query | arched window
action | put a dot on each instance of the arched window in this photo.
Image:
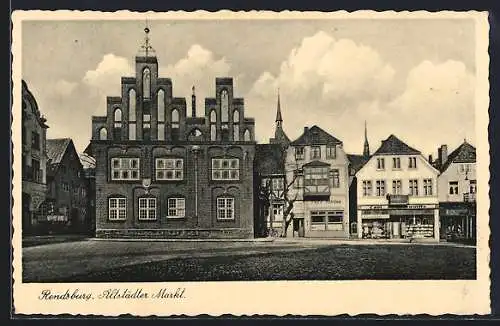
(118, 115)
(224, 104)
(213, 127)
(236, 125)
(117, 125)
(131, 105)
(103, 134)
(146, 83)
(247, 135)
(161, 105)
(175, 124)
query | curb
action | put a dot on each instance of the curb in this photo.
(181, 240)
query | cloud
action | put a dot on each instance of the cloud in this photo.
(63, 88)
(338, 84)
(107, 75)
(199, 68)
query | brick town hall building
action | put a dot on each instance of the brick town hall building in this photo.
(163, 174)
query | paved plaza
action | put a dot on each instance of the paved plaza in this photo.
(283, 259)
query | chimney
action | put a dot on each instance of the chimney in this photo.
(306, 129)
(193, 104)
(430, 159)
(444, 154)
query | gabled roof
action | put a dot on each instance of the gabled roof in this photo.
(316, 136)
(56, 149)
(269, 159)
(393, 146)
(465, 153)
(357, 161)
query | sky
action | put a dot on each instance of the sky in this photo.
(414, 78)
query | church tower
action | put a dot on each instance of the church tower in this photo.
(366, 147)
(279, 134)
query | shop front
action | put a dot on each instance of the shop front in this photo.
(410, 221)
(458, 221)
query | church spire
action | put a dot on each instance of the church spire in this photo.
(146, 48)
(279, 119)
(366, 147)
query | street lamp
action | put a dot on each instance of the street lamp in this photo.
(196, 151)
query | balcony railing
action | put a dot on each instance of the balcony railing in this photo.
(469, 197)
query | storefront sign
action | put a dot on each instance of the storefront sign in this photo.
(419, 206)
(373, 206)
(375, 212)
(376, 216)
(456, 212)
(398, 199)
(411, 212)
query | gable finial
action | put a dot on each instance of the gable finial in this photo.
(146, 48)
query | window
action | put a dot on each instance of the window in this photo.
(117, 124)
(278, 184)
(65, 186)
(169, 169)
(125, 168)
(225, 208)
(331, 152)
(453, 185)
(396, 163)
(131, 131)
(412, 163)
(327, 220)
(225, 169)
(147, 208)
(316, 179)
(160, 97)
(380, 187)
(131, 105)
(224, 105)
(161, 131)
(299, 153)
(427, 187)
(236, 125)
(315, 152)
(213, 132)
(413, 188)
(246, 135)
(396, 187)
(117, 209)
(103, 134)
(35, 140)
(146, 83)
(37, 173)
(176, 208)
(367, 188)
(472, 186)
(175, 124)
(278, 212)
(336, 178)
(380, 164)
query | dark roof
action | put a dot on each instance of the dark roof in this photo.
(465, 153)
(357, 161)
(316, 135)
(393, 145)
(315, 163)
(56, 149)
(269, 159)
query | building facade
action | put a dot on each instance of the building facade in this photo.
(318, 167)
(34, 160)
(397, 194)
(163, 174)
(88, 164)
(65, 207)
(457, 192)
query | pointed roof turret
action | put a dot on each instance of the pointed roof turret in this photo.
(278, 110)
(366, 146)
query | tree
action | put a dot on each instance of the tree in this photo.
(268, 195)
